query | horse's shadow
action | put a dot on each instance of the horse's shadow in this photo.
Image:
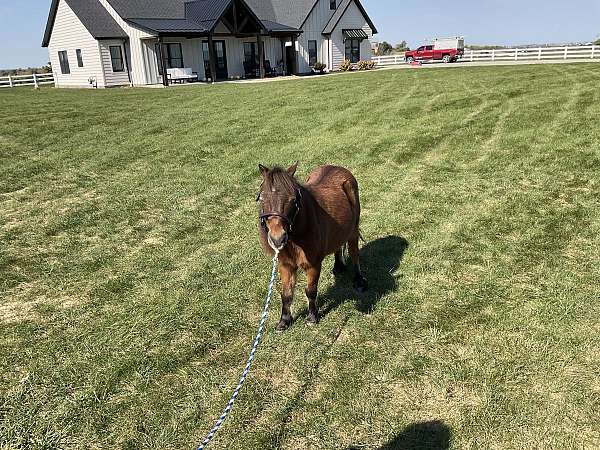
(379, 260)
(432, 435)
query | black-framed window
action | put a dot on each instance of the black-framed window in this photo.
(63, 58)
(312, 53)
(250, 53)
(172, 54)
(79, 58)
(332, 4)
(116, 58)
(353, 50)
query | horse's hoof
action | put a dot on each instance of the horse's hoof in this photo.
(312, 320)
(283, 325)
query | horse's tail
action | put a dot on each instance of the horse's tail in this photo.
(360, 236)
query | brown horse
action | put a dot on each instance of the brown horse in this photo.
(305, 223)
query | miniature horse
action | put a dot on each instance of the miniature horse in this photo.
(306, 223)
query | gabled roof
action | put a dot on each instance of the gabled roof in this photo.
(341, 10)
(94, 17)
(290, 12)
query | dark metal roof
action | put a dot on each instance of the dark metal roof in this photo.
(293, 13)
(196, 16)
(169, 25)
(149, 9)
(275, 27)
(355, 34)
(341, 10)
(94, 17)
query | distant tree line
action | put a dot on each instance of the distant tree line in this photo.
(26, 71)
(597, 41)
(385, 48)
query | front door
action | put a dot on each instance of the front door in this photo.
(290, 56)
(220, 60)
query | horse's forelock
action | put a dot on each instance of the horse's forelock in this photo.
(280, 179)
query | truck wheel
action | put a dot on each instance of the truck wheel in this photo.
(410, 60)
(446, 59)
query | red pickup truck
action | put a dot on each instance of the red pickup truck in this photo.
(447, 50)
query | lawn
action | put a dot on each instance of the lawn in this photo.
(131, 279)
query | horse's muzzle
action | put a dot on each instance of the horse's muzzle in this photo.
(278, 242)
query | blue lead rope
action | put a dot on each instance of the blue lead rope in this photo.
(261, 328)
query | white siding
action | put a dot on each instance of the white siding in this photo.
(352, 19)
(313, 30)
(113, 78)
(69, 34)
(136, 51)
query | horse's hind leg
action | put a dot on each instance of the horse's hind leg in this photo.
(312, 289)
(360, 282)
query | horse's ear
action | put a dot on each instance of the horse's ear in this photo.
(263, 170)
(292, 169)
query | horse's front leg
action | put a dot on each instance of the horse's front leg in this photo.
(312, 289)
(287, 274)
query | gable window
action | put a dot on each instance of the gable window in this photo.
(312, 53)
(64, 63)
(332, 4)
(79, 58)
(353, 50)
(172, 54)
(116, 58)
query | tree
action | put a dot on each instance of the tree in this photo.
(384, 49)
(597, 42)
(402, 47)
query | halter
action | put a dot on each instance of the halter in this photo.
(288, 220)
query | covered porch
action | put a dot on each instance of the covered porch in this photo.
(232, 44)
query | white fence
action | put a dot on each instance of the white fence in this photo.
(512, 54)
(26, 80)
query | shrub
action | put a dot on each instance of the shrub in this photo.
(366, 65)
(346, 66)
(319, 67)
(362, 65)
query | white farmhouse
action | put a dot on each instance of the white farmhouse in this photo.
(143, 42)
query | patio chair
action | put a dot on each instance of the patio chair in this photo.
(269, 71)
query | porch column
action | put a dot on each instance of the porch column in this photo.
(261, 55)
(212, 58)
(163, 59)
(284, 56)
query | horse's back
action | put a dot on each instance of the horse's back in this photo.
(327, 177)
(336, 191)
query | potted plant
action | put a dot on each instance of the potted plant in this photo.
(319, 67)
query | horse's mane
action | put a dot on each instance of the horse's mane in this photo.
(279, 178)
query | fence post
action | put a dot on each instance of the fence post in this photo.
(35, 81)
(10, 81)
(566, 51)
(493, 55)
(593, 51)
(516, 54)
(540, 54)
(471, 55)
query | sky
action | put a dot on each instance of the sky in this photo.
(498, 22)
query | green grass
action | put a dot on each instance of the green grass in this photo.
(131, 280)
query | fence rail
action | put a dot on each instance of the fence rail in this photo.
(512, 54)
(35, 79)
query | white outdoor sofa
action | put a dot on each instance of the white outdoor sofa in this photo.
(181, 75)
